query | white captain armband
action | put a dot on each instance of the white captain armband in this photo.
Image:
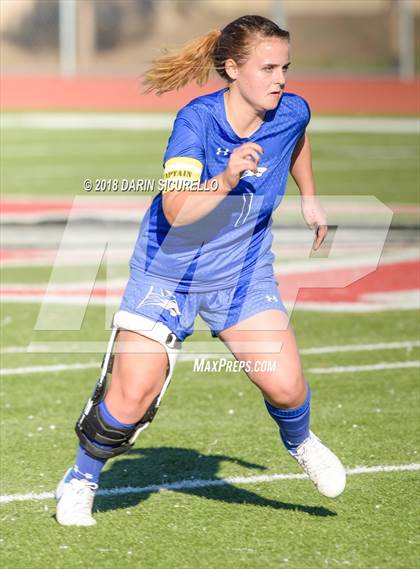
(181, 174)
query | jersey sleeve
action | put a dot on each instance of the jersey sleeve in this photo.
(305, 114)
(184, 156)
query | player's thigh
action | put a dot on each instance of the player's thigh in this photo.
(140, 366)
(266, 337)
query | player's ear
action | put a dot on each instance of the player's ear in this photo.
(231, 68)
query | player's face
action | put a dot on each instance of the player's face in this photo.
(262, 78)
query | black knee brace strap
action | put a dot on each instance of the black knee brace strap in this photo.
(93, 430)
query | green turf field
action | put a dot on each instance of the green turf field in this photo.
(213, 426)
(55, 162)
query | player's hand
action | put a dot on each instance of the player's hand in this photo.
(315, 218)
(245, 157)
(320, 235)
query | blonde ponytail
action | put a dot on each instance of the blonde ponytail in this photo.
(180, 66)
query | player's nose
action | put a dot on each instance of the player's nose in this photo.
(280, 79)
(279, 86)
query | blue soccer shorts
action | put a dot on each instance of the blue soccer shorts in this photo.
(219, 309)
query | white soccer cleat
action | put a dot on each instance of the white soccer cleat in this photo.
(322, 466)
(75, 502)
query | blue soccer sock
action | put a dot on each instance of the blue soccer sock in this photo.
(89, 468)
(293, 423)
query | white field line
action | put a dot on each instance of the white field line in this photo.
(191, 484)
(323, 350)
(404, 125)
(14, 350)
(47, 369)
(361, 347)
(373, 367)
(305, 351)
(351, 307)
(96, 121)
(164, 121)
(191, 357)
(316, 370)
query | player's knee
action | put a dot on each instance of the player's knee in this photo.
(138, 397)
(288, 393)
(136, 388)
(101, 438)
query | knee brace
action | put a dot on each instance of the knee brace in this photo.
(91, 428)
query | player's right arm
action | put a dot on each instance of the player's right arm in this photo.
(185, 207)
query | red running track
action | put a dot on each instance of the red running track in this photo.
(348, 95)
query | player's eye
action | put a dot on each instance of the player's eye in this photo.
(268, 68)
(286, 67)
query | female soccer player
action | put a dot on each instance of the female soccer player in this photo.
(204, 248)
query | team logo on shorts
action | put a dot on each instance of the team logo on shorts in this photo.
(164, 298)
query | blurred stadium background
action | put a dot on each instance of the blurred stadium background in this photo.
(366, 46)
(72, 108)
(121, 36)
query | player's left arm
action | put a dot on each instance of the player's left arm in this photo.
(302, 173)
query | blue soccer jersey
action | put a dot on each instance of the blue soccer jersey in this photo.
(232, 243)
